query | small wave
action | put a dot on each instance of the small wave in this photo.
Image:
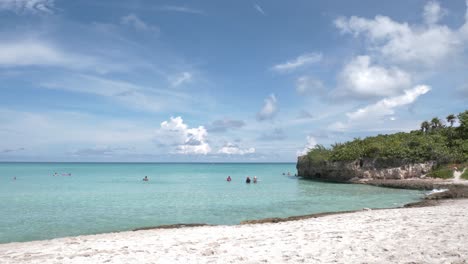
(436, 191)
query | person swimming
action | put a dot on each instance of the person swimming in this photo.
(255, 179)
(247, 180)
(145, 178)
(228, 178)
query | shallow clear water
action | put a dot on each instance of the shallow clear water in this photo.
(105, 197)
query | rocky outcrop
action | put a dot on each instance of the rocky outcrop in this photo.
(362, 169)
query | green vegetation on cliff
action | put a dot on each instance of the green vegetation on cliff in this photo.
(434, 142)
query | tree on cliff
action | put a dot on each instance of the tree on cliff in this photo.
(434, 142)
(425, 126)
(436, 123)
(451, 119)
(463, 128)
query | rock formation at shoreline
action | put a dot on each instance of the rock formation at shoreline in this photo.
(361, 169)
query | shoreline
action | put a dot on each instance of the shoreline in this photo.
(428, 200)
(430, 234)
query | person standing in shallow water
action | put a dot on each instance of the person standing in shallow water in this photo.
(228, 178)
(247, 180)
(255, 179)
(145, 178)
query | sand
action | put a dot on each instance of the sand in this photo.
(437, 234)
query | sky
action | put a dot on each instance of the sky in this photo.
(222, 81)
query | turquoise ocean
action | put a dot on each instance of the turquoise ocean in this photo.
(108, 197)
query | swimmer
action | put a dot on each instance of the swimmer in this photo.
(145, 178)
(247, 180)
(255, 179)
(228, 178)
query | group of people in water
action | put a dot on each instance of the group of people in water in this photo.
(63, 174)
(247, 180)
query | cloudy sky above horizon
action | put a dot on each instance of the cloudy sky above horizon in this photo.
(216, 81)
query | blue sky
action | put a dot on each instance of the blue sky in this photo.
(215, 81)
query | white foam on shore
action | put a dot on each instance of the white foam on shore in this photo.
(419, 235)
(436, 191)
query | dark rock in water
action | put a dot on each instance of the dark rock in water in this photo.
(361, 169)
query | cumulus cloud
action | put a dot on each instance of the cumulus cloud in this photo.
(311, 143)
(224, 125)
(28, 6)
(433, 12)
(276, 134)
(233, 149)
(269, 109)
(386, 107)
(179, 79)
(309, 85)
(409, 44)
(302, 60)
(185, 140)
(361, 79)
(136, 22)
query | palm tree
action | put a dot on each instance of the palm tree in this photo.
(425, 126)
(451, 119)
(436, 123)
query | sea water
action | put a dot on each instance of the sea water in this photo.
(90, 198)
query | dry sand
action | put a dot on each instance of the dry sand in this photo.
(436, 234)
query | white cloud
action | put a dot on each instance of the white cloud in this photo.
(186, 140)
(233, 149)
(300, 61)
(407, 44)
(28, 6)
(259, 9)
(360, 78)
(269, 109)
(311, 143)
(134, 21)
(372, 114)
(30, 52)
(53, 130)
(182, 9)
(179, 79)
(433, 12)
(309, 85)
(126, 93)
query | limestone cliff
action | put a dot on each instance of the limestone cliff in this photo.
(362, 169)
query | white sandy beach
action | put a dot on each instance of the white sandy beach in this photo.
(436, 234)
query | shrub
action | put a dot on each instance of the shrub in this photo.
(443, 173)
(465, 175)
